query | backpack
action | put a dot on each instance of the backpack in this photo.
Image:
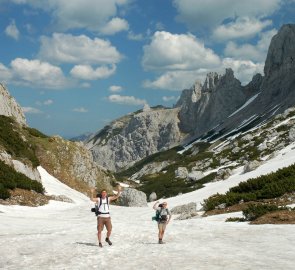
(157, 217)
(96, 207)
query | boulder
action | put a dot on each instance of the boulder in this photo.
(185, 211)
(153, 197)
(181, 172)
(133, 198)
(251, 166)
(292, 134)
(196, 175)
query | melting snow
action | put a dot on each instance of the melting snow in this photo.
(63, 235)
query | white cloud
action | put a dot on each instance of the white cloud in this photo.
(177, 52)
(168, 99)
(80, 110)
(37, 74)
(31, 110)
(251, 52)
(209, 13)
(86, 72)
(66, 48)
(114, 26)
(5, 73)
(176, 80)
(34, 73)
(244, 70)
(243, 27)
(135, 37)
(76, 14)
(115, 88)
(126, 100)
(12, 31)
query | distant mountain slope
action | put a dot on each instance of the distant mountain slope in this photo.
(220, 107)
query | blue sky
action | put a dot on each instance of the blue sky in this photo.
(75, 65)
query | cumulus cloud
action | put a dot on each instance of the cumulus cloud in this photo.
(244, 70)
(86, 72)
(12, 31)
(199, 13)
(80, 110)
(126, 100)
(66, 48)
(33, 73)
(115, 88)
(176, 80)
(243, 27)
(36, 74)
(92, 15)
(251, 52)
(31, 110)
(177, 52)
(114, 26)
(5, 73)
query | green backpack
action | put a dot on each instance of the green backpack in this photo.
(157, 216)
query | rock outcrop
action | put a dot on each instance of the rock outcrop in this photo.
(132, 138)
(9, 107)
(73, 164)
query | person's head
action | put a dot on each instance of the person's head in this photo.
(103, 193)
(164, 204)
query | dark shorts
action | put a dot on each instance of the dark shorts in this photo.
(104, 221)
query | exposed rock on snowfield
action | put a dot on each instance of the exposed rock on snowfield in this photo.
(134, 137)
(153, 197)
(181, 172)
(251, 166)
(133, 198)
(185, 211)
(196, 175)
(9, 107)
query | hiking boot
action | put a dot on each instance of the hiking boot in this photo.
(161, 241)
(109, 241)
(100, 245)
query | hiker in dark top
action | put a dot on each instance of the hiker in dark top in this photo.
(164, 218)
(103, 214)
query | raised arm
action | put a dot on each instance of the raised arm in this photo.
(115, 197)
(92, 196)
(155, 205)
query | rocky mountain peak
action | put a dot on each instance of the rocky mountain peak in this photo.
(211, 81)
(9, 107)
(281, 53)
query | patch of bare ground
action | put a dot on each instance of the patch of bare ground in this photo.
(278, 217)
(31, 198)
(26, 198)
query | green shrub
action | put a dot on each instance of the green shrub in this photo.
(36, 133)
(255, 211)
(235, 219)
(263, 187)
(10, 179)
(4, 193)
(12, 141)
